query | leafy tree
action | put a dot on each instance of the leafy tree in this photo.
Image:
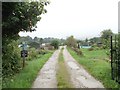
(36, 39)
(86, 40)
(34, 45)
(27, 39)
(41, 40)
(55, 43)
(16, 17)
(20, 16)
(95, 40)
(71, 42)
(105, 36)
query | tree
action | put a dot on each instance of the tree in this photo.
(95, 40)
(20, 16)
(41, 40)
(26, 39)
(71, 42)
(55, 43)
(105, 36)
(86, 40)
(16, 17)
(35, 45)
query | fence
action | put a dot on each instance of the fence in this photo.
(115, 58)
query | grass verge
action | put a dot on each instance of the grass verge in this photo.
(25, 78)
(63, 77)
(98, 67)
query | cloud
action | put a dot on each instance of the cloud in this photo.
(81, 18)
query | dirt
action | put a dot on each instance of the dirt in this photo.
(47, 76)
(79, 76)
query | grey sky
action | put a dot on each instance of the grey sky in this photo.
(81, 18)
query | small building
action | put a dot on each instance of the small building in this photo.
(46, 46)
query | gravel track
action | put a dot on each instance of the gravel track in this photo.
(79, 76)
(47, 76)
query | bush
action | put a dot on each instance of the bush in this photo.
(42, 52)
(10, 59)
(91, 49)
(104, 46)
(78, 51)
(32, 53)
(55, 43)
(108, 53)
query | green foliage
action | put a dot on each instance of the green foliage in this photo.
(32, 53)
(94, 63)
(42, 52)
(34, 45)
(105, 35)
(20, 16)
(63, 77)
(55, 43)
(11, 59)
(25, 78)
(35, 53)
(16, 17)
(78, 51)
(26, 39)
(95, 40)
(91, 49)
(71, 42)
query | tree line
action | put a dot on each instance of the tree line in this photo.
(104, 40)
(36, 42)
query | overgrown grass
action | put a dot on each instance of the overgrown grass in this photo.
(63, 77)
(97, 67)
(25, 78)
(95, 54)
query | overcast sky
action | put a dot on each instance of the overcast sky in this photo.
(81, 18)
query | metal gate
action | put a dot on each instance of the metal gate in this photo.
(115, 58)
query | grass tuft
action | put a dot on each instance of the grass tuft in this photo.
(63, 77)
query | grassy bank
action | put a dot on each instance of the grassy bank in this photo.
(25, 78)
(94, 62)
(63, 77)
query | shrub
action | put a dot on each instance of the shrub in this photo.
(32, 53)
(10, 59)
(42, 52)
(104, 46)
(108, 53)
(34, 45)
(97, 48)
(55, 43)
(78, 51)
(91, 49)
